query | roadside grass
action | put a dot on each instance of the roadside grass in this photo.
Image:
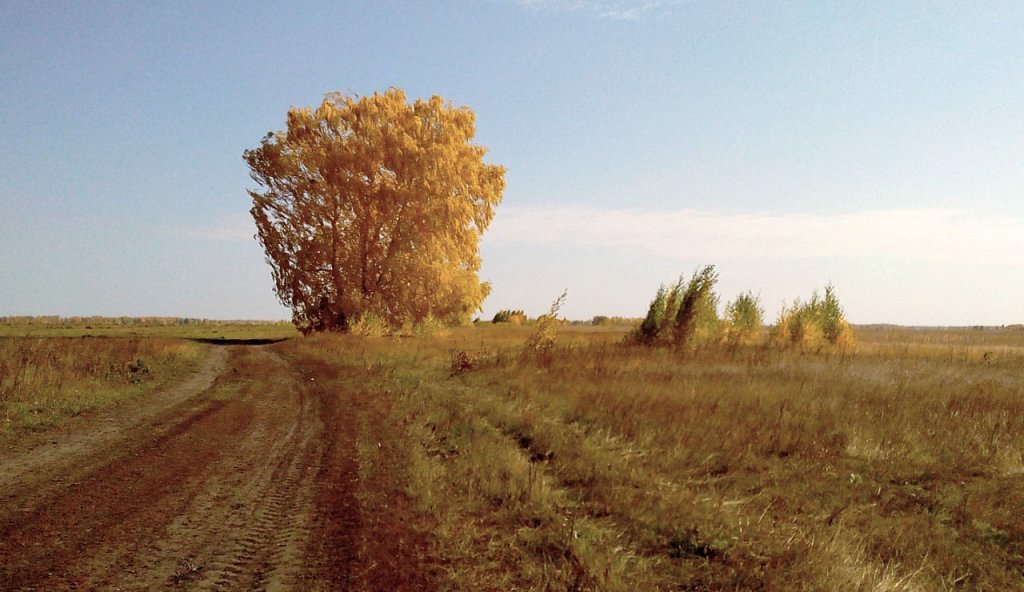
(895, 466)
(46, 380)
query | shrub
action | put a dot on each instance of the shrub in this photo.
(462, 361)
(696, 321)
(430, 327)
(833, 323)
(647, 332)
(539, 345)
(673, 299)
(370, 325)
(798, 326)
(684, 314)
(744, 319)
(514, 317)
(814, 324)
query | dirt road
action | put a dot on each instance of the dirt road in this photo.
(245, 477)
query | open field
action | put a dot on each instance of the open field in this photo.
(130, 327)
(462, 462)
(44, 381)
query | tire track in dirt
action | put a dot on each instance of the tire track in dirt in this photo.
(369, 536)
(226, 500)
(248, 525)
(266, 537)
(252, 484)
(333, 551)
(43, 463)
(43, 546)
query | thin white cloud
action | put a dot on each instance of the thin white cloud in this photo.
(938, 235)
(631, 11)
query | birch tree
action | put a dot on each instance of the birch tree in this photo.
(374, 206)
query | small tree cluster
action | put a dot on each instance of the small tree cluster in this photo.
(683, 314)
(515, 317)
(813, 324)
(744, 321)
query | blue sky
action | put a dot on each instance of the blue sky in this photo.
(877, 146)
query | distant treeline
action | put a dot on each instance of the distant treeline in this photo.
(518, 317)
(133, 321)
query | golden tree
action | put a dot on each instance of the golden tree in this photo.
(374, 206)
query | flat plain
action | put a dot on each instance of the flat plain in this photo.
(464, 461)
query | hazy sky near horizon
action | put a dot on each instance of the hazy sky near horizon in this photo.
(878, 146)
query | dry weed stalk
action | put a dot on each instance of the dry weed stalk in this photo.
(542, 341)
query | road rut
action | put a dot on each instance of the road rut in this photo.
(242, 478)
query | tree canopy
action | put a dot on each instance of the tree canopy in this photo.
(374, 206)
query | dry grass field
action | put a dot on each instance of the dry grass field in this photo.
(46, 380)
(897, 466)
(473, 463)
(52, 371)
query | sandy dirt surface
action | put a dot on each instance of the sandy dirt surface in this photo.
(244, 477)
(47, 460)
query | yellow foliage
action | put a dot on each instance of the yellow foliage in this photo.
(734, 335)
(845, 339)
(807, 329)
(375, 205)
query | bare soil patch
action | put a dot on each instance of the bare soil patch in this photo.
(245, 477)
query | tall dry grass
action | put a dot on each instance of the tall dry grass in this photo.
(894, 465)
(45, 380)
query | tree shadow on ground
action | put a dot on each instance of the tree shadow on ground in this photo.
(237, 341)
